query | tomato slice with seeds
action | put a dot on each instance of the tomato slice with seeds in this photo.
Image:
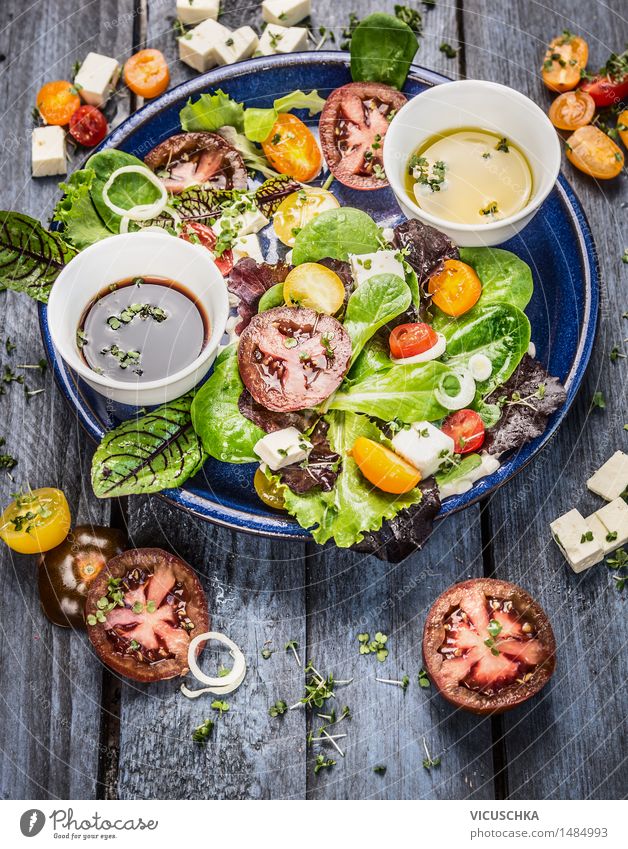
(88, 126)
(467, 430)
(201, 234)
(383, 468)
(566, 56)
(571, 110)
(594, 153)
(57, 102)
(456, 288)
(622, 126)
(408, 340)
(146, 73)
(292, 149)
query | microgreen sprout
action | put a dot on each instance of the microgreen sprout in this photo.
(292, 646)
(203, 732)
(405, 681)
(376, 646)
(429, 761)
(221, 706)
(380, 769)
(424, 681)
(278, 709)
(322, 763)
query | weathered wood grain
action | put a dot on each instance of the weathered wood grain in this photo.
(49, 680)
(569, 742)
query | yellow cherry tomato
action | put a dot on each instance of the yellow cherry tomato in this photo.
(57, 102)
(268, 491)
(298, 209)
(566, 56)
(383, 468)
(456, 288)
(572, 109)
(292, 149)
(594, 153)
(622, 126)
(36, 521)
(315, 286)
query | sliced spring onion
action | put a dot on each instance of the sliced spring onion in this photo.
(217, 686)
(481, 367)
(463, 397)
(437, 350)
(143, 211)
(154, 228)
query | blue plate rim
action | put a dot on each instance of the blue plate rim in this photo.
(279, 526)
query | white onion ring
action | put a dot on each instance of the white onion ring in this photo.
(142, 211)
(154, 228)
(218, 686)
(437, 350)
(465, 394)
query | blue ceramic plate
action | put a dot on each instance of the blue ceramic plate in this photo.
(557, 245)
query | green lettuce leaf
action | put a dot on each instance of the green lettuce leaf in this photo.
(82, 226)
(272, 297)
(300, 100)
(374, 303)
(259, 122)
(373, 358)
(382, 50)
(253, 157)
(467, 464)
(336, 233)
(505, 278)
(127, 191)
(150, 453)
(211, 112)
(354, 506)
(225, 433)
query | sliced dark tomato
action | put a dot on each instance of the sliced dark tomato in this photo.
(197, 159)
(142, 611)
(352, 129)
(466, 428)
(201, 234)
(88, 126)
(488, 645)
(408, 340)
(293, 358)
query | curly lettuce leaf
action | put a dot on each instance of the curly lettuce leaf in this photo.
(354, 506)
(258, 123)
(336, 233)
(82, 226)
(253, 157)
(374, 303)
(211, 112)
(225, 433)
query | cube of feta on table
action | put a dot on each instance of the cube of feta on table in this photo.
(424, 446)
(278, 39)
(96, 79)
(612, 478)
(282, 448)
(48, 151)
(610, 525)
(286, 12)
(195, 11)
(241, 44)
(575, 538)
(364, 266)
(197, 48)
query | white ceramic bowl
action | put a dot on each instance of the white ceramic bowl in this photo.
(137, 255)
(488, 106)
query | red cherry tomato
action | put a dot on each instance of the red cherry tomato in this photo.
(466, 428)
(201, 234)
(606, 91)
(408, 340)
(88, 126)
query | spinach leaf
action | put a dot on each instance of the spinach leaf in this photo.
(225, 433)
(82, 226)
(402, 392)
(382, 50)
(336, 233)
(353, 506)
(127, 191)
(500, 331)
(211, 112)
(273, 297)
(374, 303)
(31, 258)
(374, 357)
(149, 453)
(505, 278)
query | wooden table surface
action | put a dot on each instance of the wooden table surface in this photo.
(71, 729)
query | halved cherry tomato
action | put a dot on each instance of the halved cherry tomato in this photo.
(36, 521)
(292, 149)
(383, 468)
(146, 73)
(571, 110)
(594, 153)
(566, 56)
(201, 234)
(622, 126)
(315, 286)
(456, 288)
(408, 340)
(269, 493)
(88, 126)
(466, 428)
(610, 86)
(298, 209)
(57, 102)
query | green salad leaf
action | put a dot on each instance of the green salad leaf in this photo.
(467, 464)
(259, 122)
(31, 257)
(253, 157)
(375, 302)
(505, 278)
(272, 297)
(354, 505)
(225, 433)
(127, 191)
(149, 453)
(382, 50)
(373, 358)
(211, 112)
(82, 225)
(404, 392)
(336, 233)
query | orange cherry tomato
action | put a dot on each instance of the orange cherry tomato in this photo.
(566, 56)
(292, 149)
(408, 340)
(622, 126)
(383, 468)
(456, 288)
(57, 102)
(571, 110)
(146, 73)
(594, 153)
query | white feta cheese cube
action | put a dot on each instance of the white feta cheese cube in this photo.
(277, 39)
(282, 448)
(197, 48)
(612, 478)
(240, 45)
(247, 246)
(250, 221)
(286, 12)
(96, 78)
(576, 540)
(48, 151)
(195, 11)
(388, 235)
(424, 446)
(364, 266)
(610, 525)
